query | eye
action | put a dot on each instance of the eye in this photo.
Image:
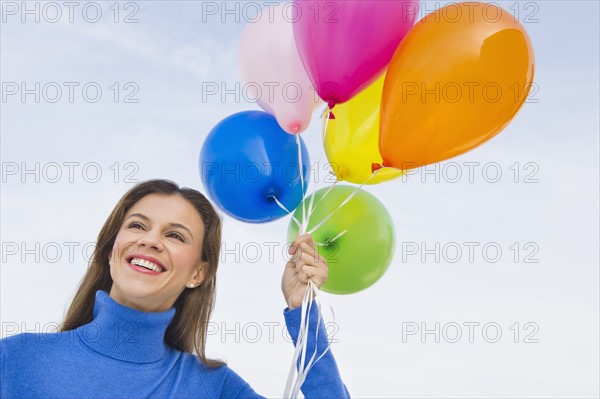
(135, 225)
(176, 235)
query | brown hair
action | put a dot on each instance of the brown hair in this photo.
(187, 331)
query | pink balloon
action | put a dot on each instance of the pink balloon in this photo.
(270, 65)
(346, 44)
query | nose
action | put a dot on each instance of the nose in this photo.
(150, 240)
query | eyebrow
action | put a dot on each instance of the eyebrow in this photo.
(144, 217)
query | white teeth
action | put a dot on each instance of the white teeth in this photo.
(146, 264)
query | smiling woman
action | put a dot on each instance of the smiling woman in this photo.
(137, 324)
(152, 240)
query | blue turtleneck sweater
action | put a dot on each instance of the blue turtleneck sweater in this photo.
(122, 354)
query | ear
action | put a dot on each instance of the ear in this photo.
(198, 274)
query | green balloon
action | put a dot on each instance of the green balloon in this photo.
(359, 257)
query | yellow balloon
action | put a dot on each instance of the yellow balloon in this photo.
(352, 138)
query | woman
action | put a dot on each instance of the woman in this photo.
(137, 325)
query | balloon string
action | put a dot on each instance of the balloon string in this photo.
(344, 202)
(333, 239)
(291, 375)
(286, 210)
(302, 368)
(326, 119)
(295, 381)
(325, 115)
(324, 195)
(298, 223)
(301, 171)
(312, 362)
(290, 389)
(305, 302)
(293, 385)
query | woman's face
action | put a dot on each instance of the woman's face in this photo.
(157, 253)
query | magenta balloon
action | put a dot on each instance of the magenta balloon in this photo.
(345, 44)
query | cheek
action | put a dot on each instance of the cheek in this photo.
(114, 253)
(118, 242)
(121, 246)
(184, 260)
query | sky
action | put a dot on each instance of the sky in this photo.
(533, 308)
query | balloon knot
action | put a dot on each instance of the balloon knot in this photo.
(331, 104)
(375, 166)
(295, 127)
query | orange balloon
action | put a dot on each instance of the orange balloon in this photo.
(455, 81)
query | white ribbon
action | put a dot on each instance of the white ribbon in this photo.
(296, 377)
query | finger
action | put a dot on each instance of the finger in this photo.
(312, 270)
(302, 257)
(296, 245)
(303, 277)
(304, 240)
(295, 255)
(306, 259)
(307, 256)
(323, 261)
(298, 265)
(293, 248)
(318, 276)
(307, 238)
(314, 259)
(312, 251)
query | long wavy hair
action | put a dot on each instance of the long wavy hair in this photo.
(187, 331)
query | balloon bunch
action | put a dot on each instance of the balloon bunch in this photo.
(404, 96)
(398, 96)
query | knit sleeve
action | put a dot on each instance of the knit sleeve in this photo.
(323, 379)
(2, 367)
(235, 387)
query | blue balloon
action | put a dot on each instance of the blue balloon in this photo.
(247, 161)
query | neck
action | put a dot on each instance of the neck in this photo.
(143, 306)
(124, 333)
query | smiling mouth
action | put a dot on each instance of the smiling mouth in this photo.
(146, 264)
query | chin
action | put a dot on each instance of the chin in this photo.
(132, 291)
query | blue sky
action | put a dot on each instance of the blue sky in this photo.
(162, 62)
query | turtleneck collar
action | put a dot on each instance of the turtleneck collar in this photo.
(123, 333)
